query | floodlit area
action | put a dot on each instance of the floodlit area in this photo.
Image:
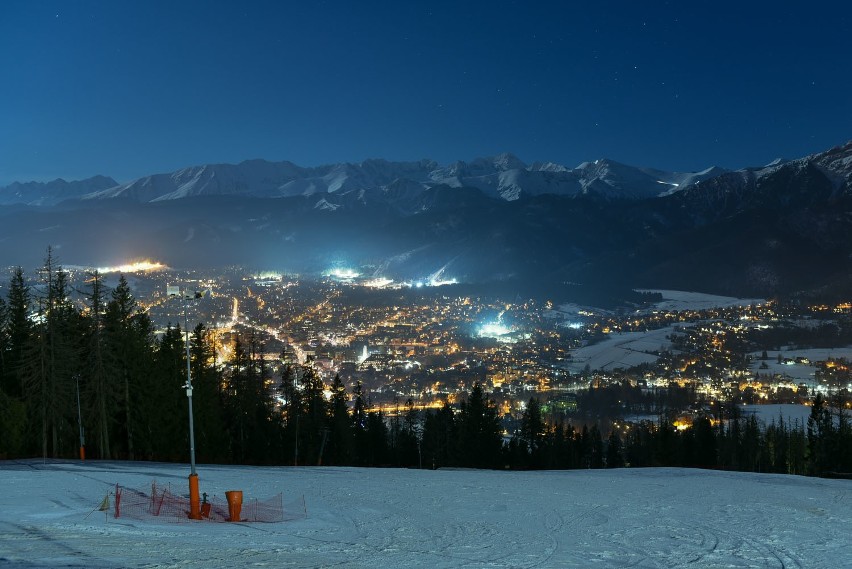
(135, 267)
(343, 274)
(494, 330)
(421, 518)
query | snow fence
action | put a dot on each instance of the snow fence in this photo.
(162, 504)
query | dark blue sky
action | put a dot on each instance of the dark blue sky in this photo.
(132, 88)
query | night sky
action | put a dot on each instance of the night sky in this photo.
(127, 89)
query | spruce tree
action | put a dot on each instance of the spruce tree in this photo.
(50, 365)
(614, 458)
(480, 436)
(129, 337)
(360, 440)
(339, 448)
(437, 441)
(210, 436)
(19, 331)
(99, 388)
(532, 435)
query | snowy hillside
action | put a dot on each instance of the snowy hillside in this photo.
(421, 518)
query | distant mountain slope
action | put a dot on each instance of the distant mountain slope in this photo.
(777, 229)
(51, 193)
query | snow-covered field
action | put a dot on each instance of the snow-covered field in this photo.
(620, 350)
(684, 300)
(646, 518)
(798, 373)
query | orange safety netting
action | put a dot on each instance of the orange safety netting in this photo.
(162, 504)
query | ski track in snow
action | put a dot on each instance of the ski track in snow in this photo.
(642, 518)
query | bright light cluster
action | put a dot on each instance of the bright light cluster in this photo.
(431, 282)
(137, 267)
(379, 283)
(494, 330)
(344, 274)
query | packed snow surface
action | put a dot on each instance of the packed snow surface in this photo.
(647, 518)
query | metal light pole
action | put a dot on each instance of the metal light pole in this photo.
(188, 387)
(194, 498)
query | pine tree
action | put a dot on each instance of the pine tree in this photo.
(129, 337)
(705, 443)
(339, 425)
(361, 443)
(163, 429)
(50, 365)
(376, 434)
(12, 409)
(596, 453)
(210, 435)
(313, 419)
(5, 378)
(290, 412)
(480, 436)
(98, 385)
(438, 438)
(409, 439)
(820, 438)
(531, 439)
(614, 458)
(19, 333)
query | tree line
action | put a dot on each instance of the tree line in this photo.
(100, 369)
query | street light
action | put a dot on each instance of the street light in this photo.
(194, 498)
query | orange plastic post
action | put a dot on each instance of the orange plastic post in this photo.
(235, 504)
(82, 453)
(194, 499)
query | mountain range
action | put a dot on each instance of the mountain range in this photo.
(782, 228)
(503, 177)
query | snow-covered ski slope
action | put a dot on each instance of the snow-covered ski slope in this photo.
(645, 518)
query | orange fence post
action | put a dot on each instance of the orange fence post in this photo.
(235, 504)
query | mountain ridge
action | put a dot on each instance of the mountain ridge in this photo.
(782, 228)
(502, 176)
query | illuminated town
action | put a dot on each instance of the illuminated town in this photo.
(424, 343)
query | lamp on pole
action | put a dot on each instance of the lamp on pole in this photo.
(194, 498)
